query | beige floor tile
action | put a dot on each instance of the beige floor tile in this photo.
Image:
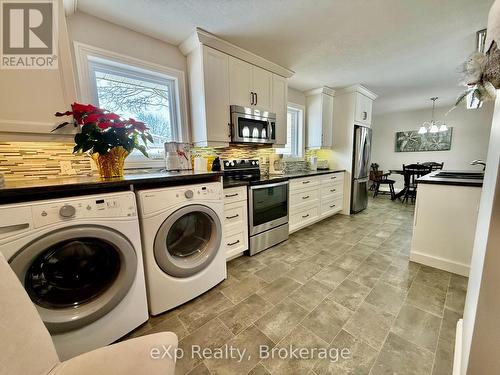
(366, 275)
(245, 313)
(399, 356)
(331, 276)
(455, 297)
(418, 327)
(259, 370)
(310, 294)
(370, 324)
(244, 289)
(350, 294)
(433, 277)
(272, 271)
(277, 290)
(427, 298)
(387, 297)
(327, 319)
(281, 320)
(302, 272)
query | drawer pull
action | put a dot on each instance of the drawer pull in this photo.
(233, 243)
(304, 216)
(231, 195)
(306, 197)
(332, 190)
(306, 182)
(232, 217)
(333, 205)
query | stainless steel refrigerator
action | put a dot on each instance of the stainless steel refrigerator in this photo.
(360, 168)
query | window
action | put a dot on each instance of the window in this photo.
(133, 88)
(294, 132)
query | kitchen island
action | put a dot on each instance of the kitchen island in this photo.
(445, 220)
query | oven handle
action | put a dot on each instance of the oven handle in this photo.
(269, 185)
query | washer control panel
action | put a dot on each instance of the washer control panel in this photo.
(84, 208)
(158, 199)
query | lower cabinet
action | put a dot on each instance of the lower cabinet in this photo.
(235, 221)
(315, 198)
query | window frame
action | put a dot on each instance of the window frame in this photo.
(300, 131)
(87, 56)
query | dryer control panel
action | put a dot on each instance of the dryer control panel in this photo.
(84, 208)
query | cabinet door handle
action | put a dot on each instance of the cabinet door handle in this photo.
(231, 195)
(251, 98)
(304, 216)
(232, 217)
(365, 115)
(305, 182)
(332, 190)
(332, 206)
(333, 178)
(233, 243)
(256, 98)
(305, 197)
(230, 130)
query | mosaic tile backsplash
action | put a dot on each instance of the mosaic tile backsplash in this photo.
(39, 160)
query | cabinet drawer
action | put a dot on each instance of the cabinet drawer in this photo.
(235, 216)
(332, 206)
(236, 194)
(304, 197)
(332, 191)
(332, 178)
(304, 217)
(303, 183)
(235, 243)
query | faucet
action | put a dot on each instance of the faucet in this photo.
(479, 162)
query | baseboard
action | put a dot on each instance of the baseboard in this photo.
(440, 263)
(457, 357)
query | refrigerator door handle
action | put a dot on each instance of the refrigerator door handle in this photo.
(365, 179)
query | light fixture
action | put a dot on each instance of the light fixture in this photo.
(433, 126)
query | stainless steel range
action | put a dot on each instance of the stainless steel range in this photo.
(267, 204)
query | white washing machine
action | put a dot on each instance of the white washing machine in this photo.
(80, 262)
(182, 231)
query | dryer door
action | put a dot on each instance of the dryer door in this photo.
(188, 240)
(76, 275)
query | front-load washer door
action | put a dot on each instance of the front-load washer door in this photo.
(76, 275)
(188, 241)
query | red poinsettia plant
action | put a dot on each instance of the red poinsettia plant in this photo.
(102, 130)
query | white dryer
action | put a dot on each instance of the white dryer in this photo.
(182, 235)
(80, 262)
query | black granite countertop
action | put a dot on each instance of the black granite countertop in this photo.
(432, 178)
(229, 183)
(28, 189)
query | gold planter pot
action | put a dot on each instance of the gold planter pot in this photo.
(112, 163)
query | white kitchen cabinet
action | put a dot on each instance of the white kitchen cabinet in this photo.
(209, 93)
(249, 85)
(315, 198)
(280, 102)
(319, 118)
(363, 110)
(235, 221)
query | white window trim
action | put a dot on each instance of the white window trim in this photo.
(301, 145)
(84, 52)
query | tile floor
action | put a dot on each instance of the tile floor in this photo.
(345, 282)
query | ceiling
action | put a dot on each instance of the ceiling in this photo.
(404, 50)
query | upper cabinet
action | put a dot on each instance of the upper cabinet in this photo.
(319, 118)
(249, 85)
(280, 103)
(222, 74)
(209, 92)
(363, 109)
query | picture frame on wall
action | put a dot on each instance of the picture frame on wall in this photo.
(412, 141)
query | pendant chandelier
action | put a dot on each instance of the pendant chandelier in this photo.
(433, 126)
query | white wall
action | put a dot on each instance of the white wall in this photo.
(471, 131)
(296, 97)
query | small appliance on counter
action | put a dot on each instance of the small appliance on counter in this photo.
(177, 156)
(276, 164)
(313, 163)
(267, 204)
(323, 165)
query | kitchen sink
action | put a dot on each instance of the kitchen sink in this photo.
(460, 175)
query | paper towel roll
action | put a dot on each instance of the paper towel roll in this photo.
(200, 164)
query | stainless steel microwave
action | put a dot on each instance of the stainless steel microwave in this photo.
(251, 125)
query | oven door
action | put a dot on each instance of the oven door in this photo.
(268, 206)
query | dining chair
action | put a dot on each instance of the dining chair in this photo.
(434, 166)
(411, 172)
(380, 178)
